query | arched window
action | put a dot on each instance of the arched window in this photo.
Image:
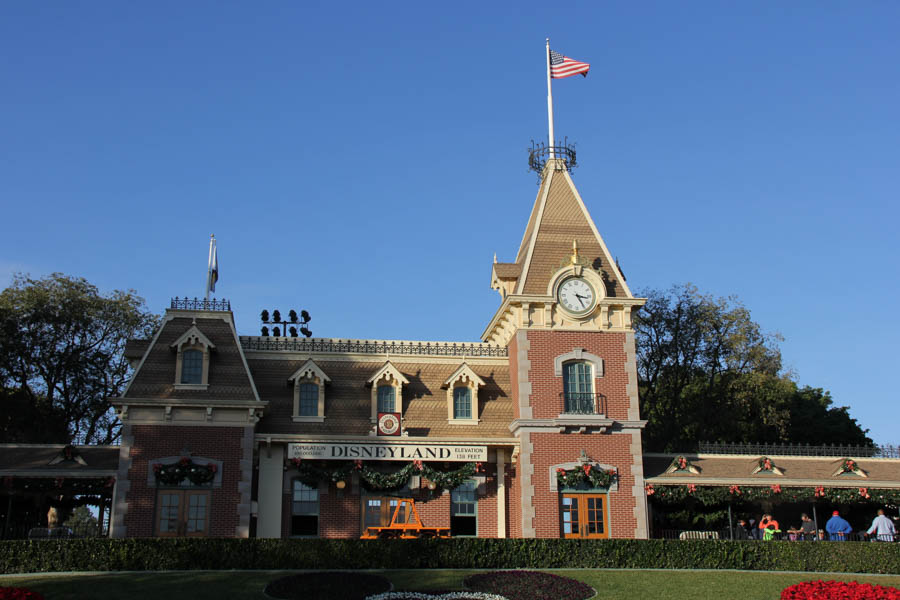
(192, 367)
(462, 402)
(309, 400)
(304, 509)
(386, 398)
(578, 386)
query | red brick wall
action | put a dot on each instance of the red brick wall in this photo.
(513, 352)
(553, 448)
(158, 441)
(546, 387)
(514, 502)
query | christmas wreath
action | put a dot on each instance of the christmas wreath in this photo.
(593, 475)
(185, 468)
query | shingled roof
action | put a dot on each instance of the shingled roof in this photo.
(228, 377)
(558, 218)
(348, 398)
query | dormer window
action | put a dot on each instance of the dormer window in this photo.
(462, 402)
(193, 350)
(387, 390)
(308, 399)
(462, 396)
(386, 398)
(192, 367)
(309, 393)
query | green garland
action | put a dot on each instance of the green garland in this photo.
(593, 475)
(311, 474)
(185, 468)
(708, 495)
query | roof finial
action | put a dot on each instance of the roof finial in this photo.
(574, 251)
(495, 258)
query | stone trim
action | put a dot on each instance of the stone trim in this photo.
(387, 375)
(641, 514)
(119, 506)
(579, 355)
(526, 469)
(464, 376)
(631, 386)
(245, 484)
(523, 380)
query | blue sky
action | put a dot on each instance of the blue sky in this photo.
(364, 161)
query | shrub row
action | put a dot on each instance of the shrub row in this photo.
(20, 556)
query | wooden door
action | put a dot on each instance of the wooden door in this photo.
(183, 513)
(584, 516)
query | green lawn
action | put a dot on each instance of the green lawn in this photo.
(224, 585)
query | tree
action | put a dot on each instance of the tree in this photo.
(62, 357)
(708, 372)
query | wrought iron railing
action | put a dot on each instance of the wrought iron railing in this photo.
(373, 347)
(199, 304)
(583, 403)
(540, 154)
(883, 451)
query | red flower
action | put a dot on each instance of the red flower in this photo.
(17, 593)
(810, 590)
(767, 465)
(682, 463)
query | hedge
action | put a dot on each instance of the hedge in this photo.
(152, 554)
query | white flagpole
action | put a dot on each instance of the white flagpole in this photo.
(212, 239)
(549, 99)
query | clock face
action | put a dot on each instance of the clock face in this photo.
(576, 295)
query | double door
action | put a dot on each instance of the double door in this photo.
(584, 516)
(182, 513)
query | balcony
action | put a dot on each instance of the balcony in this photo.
(583, 403)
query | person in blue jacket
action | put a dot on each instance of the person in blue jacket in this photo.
(838, 529)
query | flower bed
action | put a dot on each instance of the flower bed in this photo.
(529, 585)
(435, 596)
(15, 593)
(326, 586)
(839, 590)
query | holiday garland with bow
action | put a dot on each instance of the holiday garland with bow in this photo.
(709, 495)
(185, 468)
(594, 475)
(311, 474)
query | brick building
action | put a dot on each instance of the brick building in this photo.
(229, 435)
(534, 431)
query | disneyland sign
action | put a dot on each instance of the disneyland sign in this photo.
(388, 451)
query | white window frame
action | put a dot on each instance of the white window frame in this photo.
(464, 376)
(309, 372)
(192, 339)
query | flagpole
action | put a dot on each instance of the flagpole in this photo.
(549, 99)
(212, 239)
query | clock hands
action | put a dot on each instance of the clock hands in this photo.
(581, 299)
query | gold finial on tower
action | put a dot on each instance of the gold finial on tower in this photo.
(574, 252)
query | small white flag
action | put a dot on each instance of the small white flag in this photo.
(214, 269)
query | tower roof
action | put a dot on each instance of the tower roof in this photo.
(558, 218)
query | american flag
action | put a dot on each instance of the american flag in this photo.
(563, 66)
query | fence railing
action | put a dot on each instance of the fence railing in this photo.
(882, 451)
(583, 403)
(725, 534)
(374, 347)
(200, 304)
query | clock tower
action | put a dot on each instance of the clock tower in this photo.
(566, 318)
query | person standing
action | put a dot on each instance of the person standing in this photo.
(838, 529)
(882, 527)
